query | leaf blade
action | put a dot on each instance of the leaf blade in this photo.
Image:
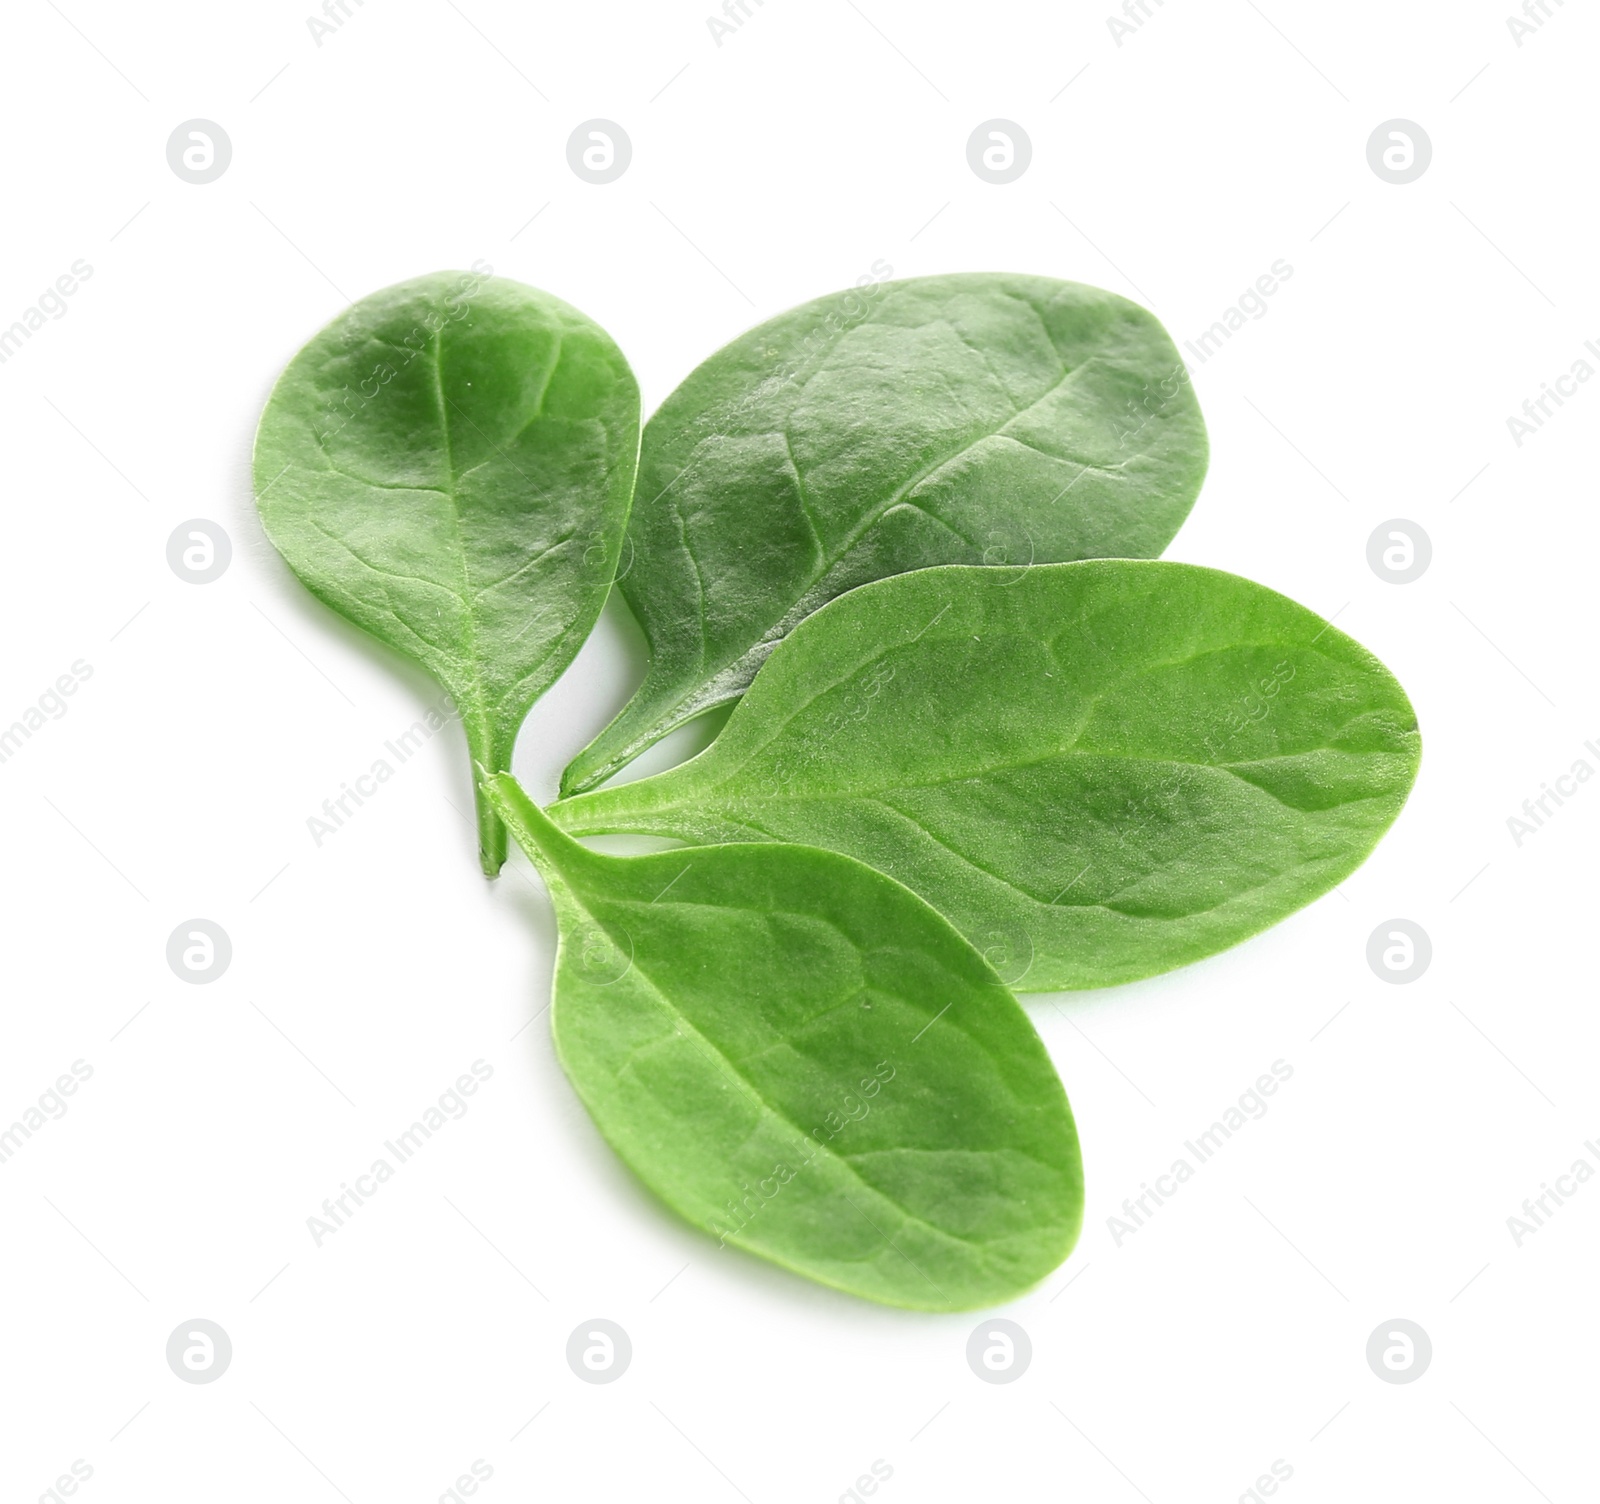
(1088, 768)
(960, 419)
(449, 465)
(752, 1011)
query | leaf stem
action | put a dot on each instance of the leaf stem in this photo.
(619, 743)
(491, 833)
(552, 851)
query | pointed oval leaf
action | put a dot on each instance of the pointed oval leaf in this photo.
(1097, 771)
(975, 419)
(449, 464)
(803, 1059)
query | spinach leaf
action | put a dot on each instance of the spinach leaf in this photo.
(1097, 771)
(973, 419)
(803, 1059)
(449, 464)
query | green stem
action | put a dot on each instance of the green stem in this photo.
(602, 812)
(552, 851)
(622, 741)
(491, 834)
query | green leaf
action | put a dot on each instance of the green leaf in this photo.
(803, 1059)
(1097, 771)
(985, 419)
(449, 465)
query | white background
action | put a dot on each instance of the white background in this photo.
(1228, 1332)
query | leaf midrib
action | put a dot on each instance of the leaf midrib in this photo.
(1053, 905)
(473, 659)
(937, 780)
(777, 628)
(1093, 701)
(899, 496)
